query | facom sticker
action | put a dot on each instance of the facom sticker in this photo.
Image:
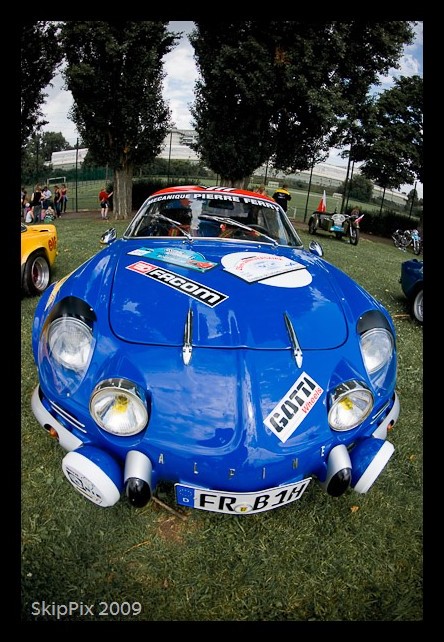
(197, 291)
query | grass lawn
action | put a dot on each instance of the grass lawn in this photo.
(352, 558)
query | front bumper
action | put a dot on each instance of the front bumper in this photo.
(101, 479)
(66, 439)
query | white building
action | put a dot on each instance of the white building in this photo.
(68, 158)
(327, 175)
(176, 147)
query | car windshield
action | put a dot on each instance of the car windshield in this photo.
(214, 215)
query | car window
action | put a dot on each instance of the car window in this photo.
(213, 215)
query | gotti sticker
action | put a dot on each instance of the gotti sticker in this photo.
(293, 407)
(197, 291)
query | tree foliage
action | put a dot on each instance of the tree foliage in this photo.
(233, 105)
(360, 188)
(412, 199)
(277, 89)
(32, 162)
(38, 153)
(391, 145)
(41, 54)
(52, 142)
(114, 71)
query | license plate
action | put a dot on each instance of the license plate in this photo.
(240, 503)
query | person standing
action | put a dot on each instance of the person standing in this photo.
(36, 203)
(63, 198)
(57, 200)
(261, 189)
(104, 196)
(24, 200)
(46, 194)
(282, 196)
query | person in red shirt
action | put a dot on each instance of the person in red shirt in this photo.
(104, 196)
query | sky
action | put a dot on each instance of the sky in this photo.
(178, 90)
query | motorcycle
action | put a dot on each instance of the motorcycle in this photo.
(403, 239)
(338, 224)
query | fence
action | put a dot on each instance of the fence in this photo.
(85, 183)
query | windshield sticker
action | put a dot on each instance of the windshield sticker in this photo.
(256, 267)
(292, 409)
(169, 197)
(184, 258)
(207, 195)
(195, 290)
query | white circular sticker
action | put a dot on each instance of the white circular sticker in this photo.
(268, 269)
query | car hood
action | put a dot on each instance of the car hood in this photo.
(233, 294)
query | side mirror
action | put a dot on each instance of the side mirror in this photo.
(108, 237)
(316, 248)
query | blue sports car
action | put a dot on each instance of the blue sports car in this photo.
(412, 283)
(209, 350)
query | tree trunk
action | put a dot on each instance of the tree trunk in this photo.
(241, 183)
(382, 201)
(123, 192)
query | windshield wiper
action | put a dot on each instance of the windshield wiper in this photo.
(175, 223)
(232, 221)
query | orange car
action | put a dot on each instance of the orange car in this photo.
(39, 251)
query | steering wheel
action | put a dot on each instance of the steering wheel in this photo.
(259, 228)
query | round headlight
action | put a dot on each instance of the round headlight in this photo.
(119, 407)
(376, 348)
(70, 342)
(351, 403)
